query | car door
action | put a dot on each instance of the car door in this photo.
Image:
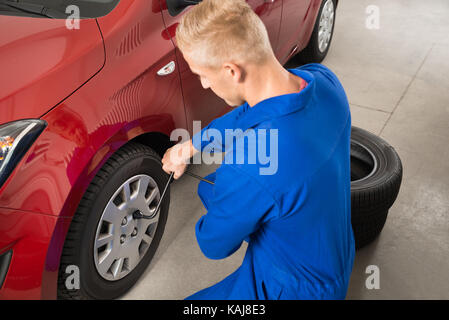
(202, 104)
(294, 25)
(140, 83)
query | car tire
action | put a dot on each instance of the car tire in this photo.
(376, 176)
(96, 219)
(313, 52)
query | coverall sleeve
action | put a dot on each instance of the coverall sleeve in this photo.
(226, 121)
(239, 206)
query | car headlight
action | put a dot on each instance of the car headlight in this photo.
(15, 139)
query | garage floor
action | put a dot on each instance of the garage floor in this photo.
(397, 82)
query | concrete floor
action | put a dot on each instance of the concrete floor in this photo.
(397, 82)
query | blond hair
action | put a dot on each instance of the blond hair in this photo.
(218, 31)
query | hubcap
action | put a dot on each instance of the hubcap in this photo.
(122, 241)
(326, 25)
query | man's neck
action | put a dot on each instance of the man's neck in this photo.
(268, 81)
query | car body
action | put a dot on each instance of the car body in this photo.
(95, 89)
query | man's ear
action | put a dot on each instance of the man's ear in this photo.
(234, 71)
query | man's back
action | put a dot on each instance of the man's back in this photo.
(296, 214)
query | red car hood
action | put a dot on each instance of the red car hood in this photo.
(42, 62)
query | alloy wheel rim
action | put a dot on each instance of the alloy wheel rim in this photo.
(122, 241)
(326, 25)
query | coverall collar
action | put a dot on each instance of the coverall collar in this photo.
(279, 105)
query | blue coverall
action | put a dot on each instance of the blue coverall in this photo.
(297, 221)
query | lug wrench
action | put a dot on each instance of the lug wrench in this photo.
(139, 215)
(198, 177)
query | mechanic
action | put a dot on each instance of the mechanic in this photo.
(296, 220)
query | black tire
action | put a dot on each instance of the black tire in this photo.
(130, 160)
(376, 176)
(368, 228)
(311, 53)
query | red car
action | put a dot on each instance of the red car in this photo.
(86, 112)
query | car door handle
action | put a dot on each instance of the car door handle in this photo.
(166, 70)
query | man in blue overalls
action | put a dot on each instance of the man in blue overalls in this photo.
(294, 214)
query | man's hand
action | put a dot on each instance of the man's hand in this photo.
(176, 158)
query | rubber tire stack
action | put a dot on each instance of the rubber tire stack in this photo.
(376, 176)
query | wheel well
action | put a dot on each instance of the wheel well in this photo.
(159, 142)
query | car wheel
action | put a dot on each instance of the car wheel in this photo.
(376, 175)
(320, 40)
(110, 248)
